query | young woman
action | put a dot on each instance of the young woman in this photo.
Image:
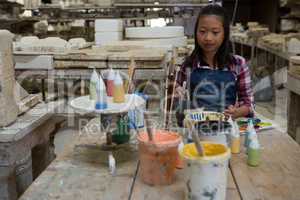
(218, 81)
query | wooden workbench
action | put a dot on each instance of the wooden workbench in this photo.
(25, 149)
(81, 173)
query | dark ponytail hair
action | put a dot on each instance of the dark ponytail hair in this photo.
(223, 56)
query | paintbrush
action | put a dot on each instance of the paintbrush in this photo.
(131, 71)
(148, 127)
(184, 87)
(173, 95)
(166, 96)
(197, 142)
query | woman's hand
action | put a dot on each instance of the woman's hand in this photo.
(235, 111)
(231, 111)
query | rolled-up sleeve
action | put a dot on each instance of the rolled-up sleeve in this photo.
(245, 92)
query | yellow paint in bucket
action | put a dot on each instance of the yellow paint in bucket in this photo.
(211, 151)
(205, 177)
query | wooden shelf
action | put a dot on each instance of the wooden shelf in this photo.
(290, 17)
(293, 82)
(281, 54)
(122, 5)
(143, 5)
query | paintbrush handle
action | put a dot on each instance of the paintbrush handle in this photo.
(148, 127)
(184, 87)
(131, 71)
(197, 142)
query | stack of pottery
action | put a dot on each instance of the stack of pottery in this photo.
(108, 30)
(32, 4)
(293, 46)
(101, 2)
(295, 65)
(8, 105)
(169, 35)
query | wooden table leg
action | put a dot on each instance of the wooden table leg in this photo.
(8, 186)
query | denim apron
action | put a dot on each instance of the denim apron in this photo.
(214, 90)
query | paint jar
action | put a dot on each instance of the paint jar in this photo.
(121, 134)
(158, 158)
(122, 125)
(118, 91)
(110, 82)
(250, 131)
(205, 177)
(235, 144)
(253, 153)
(101, 96)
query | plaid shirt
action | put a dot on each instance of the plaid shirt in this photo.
(241, 72)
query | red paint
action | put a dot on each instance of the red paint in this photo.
(110, 87)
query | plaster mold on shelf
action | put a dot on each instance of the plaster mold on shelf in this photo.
(76, 43)
(287, 25)
(293, 46)
(154, 32)
(108, 25)
(8, 105)
(103, 38)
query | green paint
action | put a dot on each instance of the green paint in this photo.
(92, 89)
(122, 125)
(253, 157)
(264, 124)
(121, 134)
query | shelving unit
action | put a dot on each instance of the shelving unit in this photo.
(134, 14)
(293, 84)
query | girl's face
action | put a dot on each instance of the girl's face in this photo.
(210, 33)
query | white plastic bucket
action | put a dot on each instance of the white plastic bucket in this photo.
(206, 177)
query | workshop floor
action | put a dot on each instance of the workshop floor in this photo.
(275, 110)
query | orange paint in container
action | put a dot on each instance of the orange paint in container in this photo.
(158, 158)
(118, 91)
